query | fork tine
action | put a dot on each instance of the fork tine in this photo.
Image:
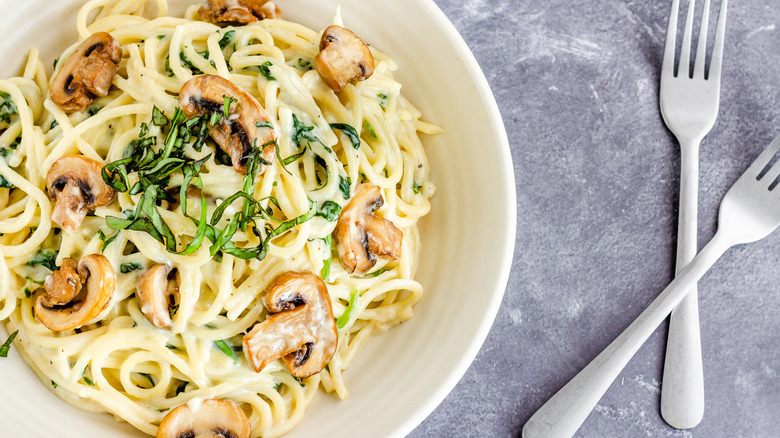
(685, 50)
(717, 48)
(671, 41)
(764, 158)
(701, 47)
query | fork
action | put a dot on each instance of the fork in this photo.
(689, 105)
(749, 212)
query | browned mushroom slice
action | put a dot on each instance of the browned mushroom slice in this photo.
(343, 57)
(237, 12)
(90, 295)
(87, 73)
(301, 329)
(75, 184)
(209, 418)
(362, 236)
(237, 134)
(156, 288)
(63, 285)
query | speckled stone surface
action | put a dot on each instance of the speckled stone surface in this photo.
(597, 174)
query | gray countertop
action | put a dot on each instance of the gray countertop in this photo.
(597, 175)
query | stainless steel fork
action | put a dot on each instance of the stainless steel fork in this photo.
(689, 105)
(749, 212)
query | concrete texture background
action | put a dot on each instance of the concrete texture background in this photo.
(597, 174)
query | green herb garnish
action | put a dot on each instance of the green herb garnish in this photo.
(266, 71)
(344, 186)
(342, 320)
(7, 344)
(7, 107)
(226, 39)
(330, 211)
(130, 267)
(349, 131)
(223, 346)
(46, 258)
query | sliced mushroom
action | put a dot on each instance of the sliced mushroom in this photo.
(237, 12)
(237, 134)
(75, 184)
(93, 288)
(301, 330)
(362, 236)
(206, 419)
(157, 288)
(343, 57)
(87, 73)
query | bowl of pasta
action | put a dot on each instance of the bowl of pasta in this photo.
(243, 217)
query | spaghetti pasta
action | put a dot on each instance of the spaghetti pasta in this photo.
(326, 145)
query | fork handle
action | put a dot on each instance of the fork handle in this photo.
(565, 412)
(682, 390)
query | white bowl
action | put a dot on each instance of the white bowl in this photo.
(400, 377)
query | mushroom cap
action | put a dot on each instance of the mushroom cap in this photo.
(361, 236)
(155, 285)
(75, 184)
(238, 134)
(343, 57)
(96, 286)
(238, 12)
(302, 330)
(209, 418)
(87, 73)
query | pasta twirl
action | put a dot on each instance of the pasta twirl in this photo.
(326, 144)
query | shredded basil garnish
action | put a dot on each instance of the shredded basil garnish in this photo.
(376, 273)
(7, 107)
(344, 186)
(330, 211)
(46, 258)
(158, 119)
(349, 131)
(84, 376)
(227, 350)
(4, 183)
(266, 71)
(342, 320)
(367, 126)
(325, 272)
(226, 39)
(129, 267)
(7, 344)
(304, 64)
(382, 100)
